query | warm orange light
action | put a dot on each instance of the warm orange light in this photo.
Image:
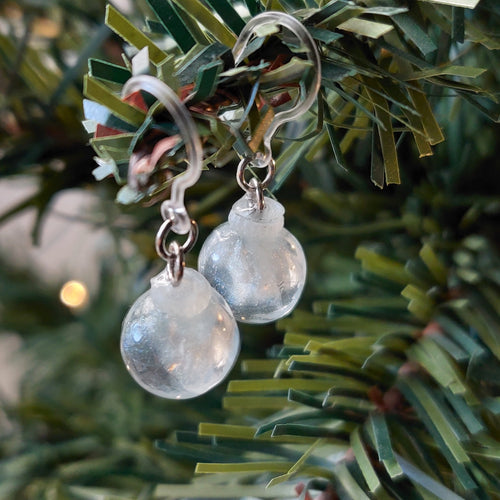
(74, 294)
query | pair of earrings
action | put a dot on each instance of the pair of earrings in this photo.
(180, 338)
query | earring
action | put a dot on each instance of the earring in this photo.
(179, 339)
(257, 265)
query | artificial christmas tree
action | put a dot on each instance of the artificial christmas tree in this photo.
(383, 382)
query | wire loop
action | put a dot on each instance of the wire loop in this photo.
(256, 194)
(255, 187)
(167, 253)
(175, 263)
(244, 184)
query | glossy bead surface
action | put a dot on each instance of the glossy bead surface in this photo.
(179, 341)
(256, 264)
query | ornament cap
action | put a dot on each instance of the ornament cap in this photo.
(254, 223)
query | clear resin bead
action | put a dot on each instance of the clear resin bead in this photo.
(179, 341)
(256, 264)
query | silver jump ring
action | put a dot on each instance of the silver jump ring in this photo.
(165, 252)
(244, 184)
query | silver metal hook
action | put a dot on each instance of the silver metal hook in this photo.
(174, 208)
(252, 28)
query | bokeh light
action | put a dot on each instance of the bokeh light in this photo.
(74, 294)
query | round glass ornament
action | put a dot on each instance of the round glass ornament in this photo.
(179, 341)
(256, 264)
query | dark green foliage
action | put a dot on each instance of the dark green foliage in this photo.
(379, 65)
(384, 382)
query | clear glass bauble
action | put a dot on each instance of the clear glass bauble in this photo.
(179, 341)
(256, 264)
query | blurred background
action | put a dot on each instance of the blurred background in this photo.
(72, 260)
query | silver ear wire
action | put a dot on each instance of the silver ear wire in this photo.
(305, 101)
(174, 207)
